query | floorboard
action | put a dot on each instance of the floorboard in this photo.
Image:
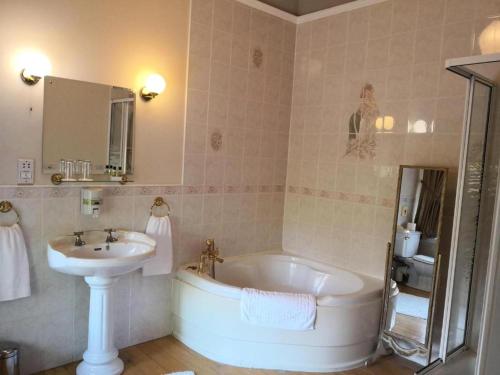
(167, 354)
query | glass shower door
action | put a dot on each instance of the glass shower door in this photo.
(467, 239)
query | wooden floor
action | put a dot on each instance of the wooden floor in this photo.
(411, 326)
(168, 355)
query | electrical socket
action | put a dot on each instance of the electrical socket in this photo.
(25, 171)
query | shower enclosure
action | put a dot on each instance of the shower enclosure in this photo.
(469, 308)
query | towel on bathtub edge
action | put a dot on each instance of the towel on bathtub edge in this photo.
(292, 311)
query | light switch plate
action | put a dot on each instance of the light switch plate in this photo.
(25, 171)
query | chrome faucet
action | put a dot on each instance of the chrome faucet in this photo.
(78, 239)
(110, 238)
(208, 259)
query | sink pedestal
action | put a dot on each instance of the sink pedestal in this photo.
(101, 356)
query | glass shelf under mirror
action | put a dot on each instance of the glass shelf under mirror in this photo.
(57, 179)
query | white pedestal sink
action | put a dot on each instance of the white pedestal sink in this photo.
(100, 263)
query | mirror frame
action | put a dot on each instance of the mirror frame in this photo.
(389, 265)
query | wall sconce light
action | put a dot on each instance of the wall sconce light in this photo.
(384, 123)
(155, 84)
(35, 67)
(420, 126)
(489, 39)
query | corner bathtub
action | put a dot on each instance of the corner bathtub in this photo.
(206, 314)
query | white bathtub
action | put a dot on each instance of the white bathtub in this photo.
(206, 314)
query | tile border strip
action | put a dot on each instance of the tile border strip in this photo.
(341, 196)
(37, 192)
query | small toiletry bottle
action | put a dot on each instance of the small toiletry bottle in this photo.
(79, 167)
(114, 172)
(119, 171)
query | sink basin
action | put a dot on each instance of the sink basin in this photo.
(97, 258)
(100, 263)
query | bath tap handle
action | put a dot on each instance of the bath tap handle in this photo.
(210, 245)
(215, 256)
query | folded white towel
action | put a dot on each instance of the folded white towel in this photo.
(278, 310)
(160, 229)
(14, 266)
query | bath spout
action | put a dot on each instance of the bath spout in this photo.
(208, 259)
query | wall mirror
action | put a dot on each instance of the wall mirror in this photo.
(413, 259)
(87, 123)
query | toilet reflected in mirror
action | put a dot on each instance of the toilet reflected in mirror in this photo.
(414, 255)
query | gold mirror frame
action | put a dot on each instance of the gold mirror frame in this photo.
(389, 336)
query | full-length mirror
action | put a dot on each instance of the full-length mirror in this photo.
(415, 255)
(87, 125)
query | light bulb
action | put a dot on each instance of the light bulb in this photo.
(155, 84)
(34, 66)
(379, 123)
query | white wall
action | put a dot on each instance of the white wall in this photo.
(117, 42)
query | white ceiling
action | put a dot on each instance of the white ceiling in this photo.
(301, 7)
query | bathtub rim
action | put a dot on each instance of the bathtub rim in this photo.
(372, 287)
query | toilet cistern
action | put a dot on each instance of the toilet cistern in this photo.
(407, 243)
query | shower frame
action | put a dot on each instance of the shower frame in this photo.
(458, 66)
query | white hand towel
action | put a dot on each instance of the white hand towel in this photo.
(14, 266)
(160, 229)
(278, 310)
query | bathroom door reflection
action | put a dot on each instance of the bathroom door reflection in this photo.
(415, 253)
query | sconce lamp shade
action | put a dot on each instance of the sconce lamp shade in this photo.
(35, 66)
(384, 123)
(388, 122)
(489, 39)
(155, 84)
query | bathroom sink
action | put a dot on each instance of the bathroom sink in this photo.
(100, 262)
(98, 258)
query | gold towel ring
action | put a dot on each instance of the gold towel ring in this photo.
(158, 202)
(6, 206)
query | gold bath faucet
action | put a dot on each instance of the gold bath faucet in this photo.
(208, 258)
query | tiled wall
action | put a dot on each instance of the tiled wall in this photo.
(250, 106)
(339, 208)
(235, 195)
